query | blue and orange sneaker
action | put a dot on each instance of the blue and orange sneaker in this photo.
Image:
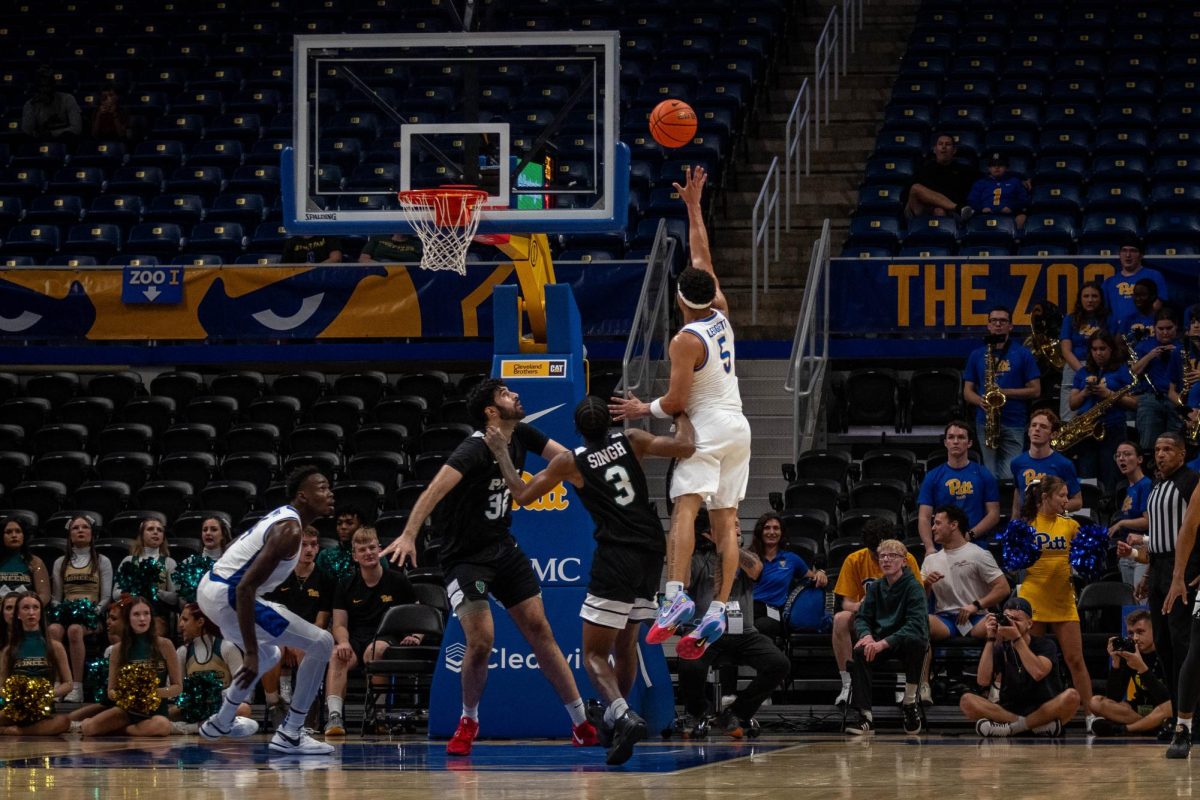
(711, 628)
(670, 616)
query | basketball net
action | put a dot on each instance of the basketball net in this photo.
(445, 219)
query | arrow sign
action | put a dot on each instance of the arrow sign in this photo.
(152, 284)
(151, 294)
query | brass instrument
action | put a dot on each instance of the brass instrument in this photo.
(1044, 326)
(1191, 423)
(1089, 423)
(993, 399)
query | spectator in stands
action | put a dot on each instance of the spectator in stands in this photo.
(1017, 375)
(1000, 192)
(203, 650)
(8, 607)
(858, 568)
(312, 250)
(20, 570)
(1118, 290)
(961, 482)
(1041, 460)
(1090, 315)
(1106, 373)
(1159, 362)
(1047, 584)
(81, 574)
(111, 122)
(781, 569)
(151, 543)
(51, 115)
(1136, 699)
(742, 644)
(337, 563)
(32, 655)
(964, 580)
(1020, 672)
(307, 593)
(1139, 323)
(394, 249)
(891, 623)
(1131, 521)
(358, 608)
(215, 536)
(941, 185)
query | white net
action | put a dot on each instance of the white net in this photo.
(445, 220)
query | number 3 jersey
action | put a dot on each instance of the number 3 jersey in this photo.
(614, 493)
(477, 513)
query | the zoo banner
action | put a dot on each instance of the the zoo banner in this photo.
(930, 295)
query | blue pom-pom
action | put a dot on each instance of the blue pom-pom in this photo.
(1089, 550)
(1019, 545)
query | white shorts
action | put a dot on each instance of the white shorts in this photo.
(275, 624)
(720, 468)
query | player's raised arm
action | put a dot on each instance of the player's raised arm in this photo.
(691, 192)
(561, 468)
(681, 445)
(405, 546)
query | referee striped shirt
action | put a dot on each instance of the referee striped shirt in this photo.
(1165, 507)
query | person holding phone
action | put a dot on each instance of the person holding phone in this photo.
(1136, 700)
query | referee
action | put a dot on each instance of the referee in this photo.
(1165, 509)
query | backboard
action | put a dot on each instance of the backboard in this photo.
(532, 118)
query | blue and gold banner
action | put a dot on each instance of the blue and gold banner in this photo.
(323, 302)
(932, 295)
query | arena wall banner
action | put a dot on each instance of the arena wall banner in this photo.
(325, 302)
(926, 296)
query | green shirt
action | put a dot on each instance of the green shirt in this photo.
(388, 250)
(31, 657)
(309, 249)
(14, 573)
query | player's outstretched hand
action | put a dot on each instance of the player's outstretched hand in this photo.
(628, 407)
(693, 185)
(402, 549)
(495, 440)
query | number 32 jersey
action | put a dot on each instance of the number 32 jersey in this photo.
(614, 493)
(715, 383)
(477, 513)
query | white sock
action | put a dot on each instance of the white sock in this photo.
(76, 726)
(293, 722)
(673, 588)
(334, 704)
(715, 607)
(845, 679)
(471, 712)
(616, 710)
(1049, 727)
(76, 687)
(576, 709)
(285, 684)
(1186, 724)
(1020, 726)
(272, 698)
(910, 694)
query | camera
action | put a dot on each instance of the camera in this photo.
(1000, 617)
(1124, 644)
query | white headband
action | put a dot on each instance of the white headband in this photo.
(689, 303)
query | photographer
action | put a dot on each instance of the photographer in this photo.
(1136, 700)
(1021, 673)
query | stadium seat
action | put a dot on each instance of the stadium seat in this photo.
(820, 493)
(871, 398)
(931, 231)
(93, 413)
(169, 498)
(1051, 197)
(881, 200)
(316, 437)
(193, 467)
(104, 497)
(257, 468)
(431, 385)
(43, 498)
(1104, 228)
(991, 229)
(369, 386)
(410, 411)
(99, 240)
(305, 386)
(1174, 228)
(225, 239)
(1049, 229)
(1124, 196)
(68, 467)
(143, 182)
(156, 239)
(38, 241)
(233, 497)
(30, 413)
(124, 210)
(185, 437)
(251, 437)
(55, 209)
(215, 410)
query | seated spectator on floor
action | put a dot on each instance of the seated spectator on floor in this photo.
(1136, 700)
(741, 644)
(203, 650)
(962, 482)
(858, 568)
(1020, 673)
(358, 607)
(31, 655)
(781, 569)
(51, 115)
(963, 578)
(891, 623)
(307, 593)
(941, 185)
(1000, 192)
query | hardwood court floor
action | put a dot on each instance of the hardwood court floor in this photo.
(772, 767)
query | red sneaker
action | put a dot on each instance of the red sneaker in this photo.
(584, 735)
(460, 743)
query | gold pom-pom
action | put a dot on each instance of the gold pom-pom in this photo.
(137, 688)
(28, 700)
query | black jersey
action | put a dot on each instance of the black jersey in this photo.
(614, 493)
(365, 605)
(477, 513)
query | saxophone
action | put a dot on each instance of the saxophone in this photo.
(1042, 340)
(1191, 423)
(1091, 422)
(993, 399)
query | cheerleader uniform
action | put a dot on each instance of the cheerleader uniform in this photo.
(216, 658)
(143, 651)
(15, 574)
(32, 660)
(81, 581)
(1047, 585)
(168, 595)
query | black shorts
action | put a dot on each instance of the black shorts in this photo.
(360, 642)
(508, 577)
(623, 585)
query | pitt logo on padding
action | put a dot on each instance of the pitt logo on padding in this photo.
(960, 488)
(554, 500)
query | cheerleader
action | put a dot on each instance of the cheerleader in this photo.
(1047, 585)
(113, 627)
(8, 608)
(1104, 374)
(215, 536)
(31, 654)
(204, 650)
(151, 542)
(20, 570)
(139, 644)
(81, 574)
(1090, 315)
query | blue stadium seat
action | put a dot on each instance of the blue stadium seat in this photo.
(360, 125)
(178, 127)
(1181, 89)
(1175, 140)
(119, 209)
(143, 182)
(890, 170)
(345, 152)
(1029, 66)
(265, 152)
(1051, 197)
(150, 104)
(366, 202)
(1126, 116)
(876, 229)
(1034, 41)
(1127, 141)
(968, 145)
(23, 183)
(1074, 90)
(71, 260)
(925, 251)
(976, 42)
(269, 237)
(86, 182)
(1049, 229)
(1181, 195)
(1179, 114)
(164, 80)
(1064, 141)
(106, 155)
(1136, 19)
(664, 202)
(260, 101)
(931, 43)
(99, 240)
(198, 260)
(925, 91)
(12, 211)
(38, 241)
(1177, 166)
(1026, 116)
(1170, 248)
(967, 91)
(880, 199)
(1119, 166)
(181, 209)
(1123, 196)
(1105, 230)
(248, 210)
(984, 250)
(223, 153)
(55, 209)
(1019, 90)
(1131, 89)
(995, 230)
(1010, 141)
(1174, 227)
(853, 249)
(255, 179)
(912, 144)
(207, 182)
(1122, 65)
(1079, 65)
(1044, 250)
(963, 117)
(46, 156)
(225, 239)
(165, 154)
(1070, 115)
(222, 79)
(202, 103)
(907, 116)
(154, 238)
(932, 231)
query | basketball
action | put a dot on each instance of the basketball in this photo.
(672, 123)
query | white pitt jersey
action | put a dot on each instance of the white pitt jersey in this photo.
(715, 383)
(246, 548)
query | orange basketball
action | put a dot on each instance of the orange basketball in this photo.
(673, 123)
